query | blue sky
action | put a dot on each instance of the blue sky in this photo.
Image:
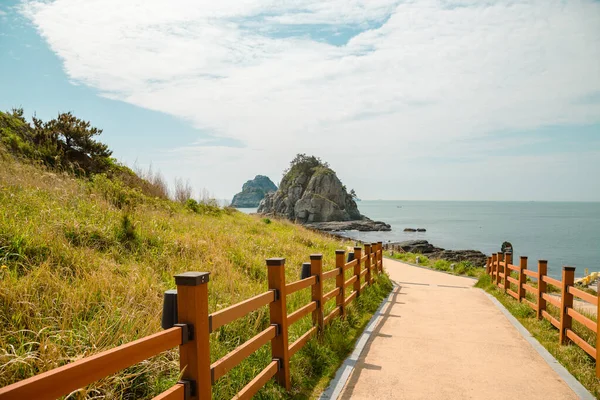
(32, 77)
(406, 100)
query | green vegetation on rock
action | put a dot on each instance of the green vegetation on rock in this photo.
(303, 165)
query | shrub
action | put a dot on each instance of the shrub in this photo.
(125, 232)
(442, 265)
(115, 192)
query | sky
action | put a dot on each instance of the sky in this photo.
(415, 100)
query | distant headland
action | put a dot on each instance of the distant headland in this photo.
(253, 191)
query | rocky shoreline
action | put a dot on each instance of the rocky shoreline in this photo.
(475, 257)
(362, 225)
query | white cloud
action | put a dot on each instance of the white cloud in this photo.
(430, 74)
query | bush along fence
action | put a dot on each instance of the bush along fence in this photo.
(194, 325)
(507, 276)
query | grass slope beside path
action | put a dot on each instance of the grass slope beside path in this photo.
(464, 268)
(84, 264)
(573, 358)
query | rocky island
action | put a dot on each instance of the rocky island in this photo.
(253, 191)
(311, 194)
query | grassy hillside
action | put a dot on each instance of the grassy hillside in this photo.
(84, 262)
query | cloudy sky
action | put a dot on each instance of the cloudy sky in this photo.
(422, 99)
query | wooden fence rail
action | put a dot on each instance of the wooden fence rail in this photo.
(499, 268)
(192, 332)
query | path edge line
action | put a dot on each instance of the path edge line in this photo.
(565, 375)
(342, 375)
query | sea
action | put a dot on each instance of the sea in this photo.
(564, 234)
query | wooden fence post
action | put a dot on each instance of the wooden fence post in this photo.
(192, 309)
(493, 268)
(357, 255)
(368, 276)
(522, 277)
(500, 258)
(340, 280)
(316, 269)
(368, 262)
(542, 287)
(507, 260)
(566, 299)
(380, 255)
(278, 313)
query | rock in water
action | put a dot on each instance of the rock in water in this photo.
(253, 192)
(311, 193)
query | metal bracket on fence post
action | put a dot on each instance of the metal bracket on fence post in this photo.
(187, 332)
(276, 293)
(277, 329)
(189, 388)
(279, 362)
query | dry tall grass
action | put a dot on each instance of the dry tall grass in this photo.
(83, 265)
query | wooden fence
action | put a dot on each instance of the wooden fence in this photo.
(508, 276)
(192, 333)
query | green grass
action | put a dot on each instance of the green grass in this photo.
(573, 358)
(84, 264)
(460, 268)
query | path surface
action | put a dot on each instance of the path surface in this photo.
(443, 339)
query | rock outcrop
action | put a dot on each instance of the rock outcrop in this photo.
(475, 257)
(253, 191)
(319, 197)
(414, 246)
(364, 225)
(311, 193)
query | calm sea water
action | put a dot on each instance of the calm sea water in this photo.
(562, 233)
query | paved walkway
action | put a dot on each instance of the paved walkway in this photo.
(443, 339)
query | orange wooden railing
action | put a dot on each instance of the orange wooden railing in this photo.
(192, 333)
(503, 273)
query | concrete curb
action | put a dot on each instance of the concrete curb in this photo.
(343, 373)
(566, 376)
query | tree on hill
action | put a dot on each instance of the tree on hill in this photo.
(74, 139)
(64, 142)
